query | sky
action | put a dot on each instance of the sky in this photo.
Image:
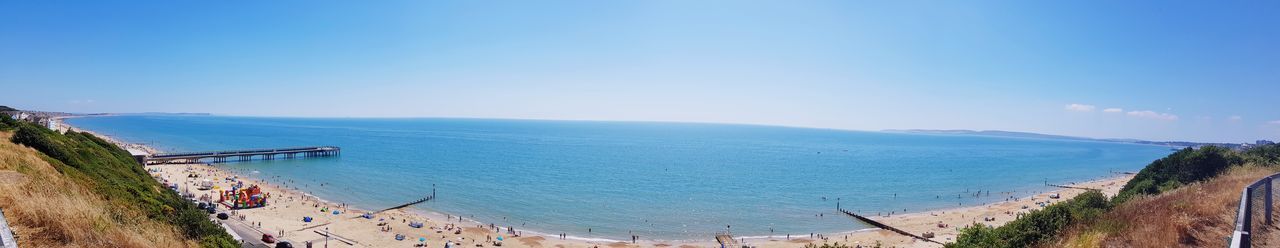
(1158, 70)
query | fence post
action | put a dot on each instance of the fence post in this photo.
(1248, 213)
(1267, 206)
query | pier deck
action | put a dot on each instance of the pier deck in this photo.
(242, 155)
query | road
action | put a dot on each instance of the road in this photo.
(251, 236)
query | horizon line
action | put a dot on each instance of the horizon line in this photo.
(892, 130)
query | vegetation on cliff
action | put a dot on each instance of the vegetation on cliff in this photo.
(120, 192)
(1093, 212)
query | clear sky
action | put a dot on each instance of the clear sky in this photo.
(1161, 70)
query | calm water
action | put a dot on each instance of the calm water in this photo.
(660, 180)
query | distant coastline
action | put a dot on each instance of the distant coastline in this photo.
(1013, 134)
(991, 133)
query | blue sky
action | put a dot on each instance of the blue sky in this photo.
(1162, 70)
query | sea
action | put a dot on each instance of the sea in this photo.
(609, 180)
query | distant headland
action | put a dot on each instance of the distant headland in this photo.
(999, 133)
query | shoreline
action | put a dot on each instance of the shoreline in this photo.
(915, 222)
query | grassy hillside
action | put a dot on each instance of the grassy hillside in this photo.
(1182, 167)
(1094, 214)
(1198, 215)
(78, 190)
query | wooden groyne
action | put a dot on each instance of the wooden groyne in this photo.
(428, 198)
(726, 240)
(424, 199)
(1070, 187)
(877, 224)
(328, 234)
(241, 155)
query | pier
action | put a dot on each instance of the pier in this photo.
(241, 155)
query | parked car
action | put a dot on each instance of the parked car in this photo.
(284, 244)
(267, 238)
(223, 216)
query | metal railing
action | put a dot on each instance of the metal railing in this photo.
(6, 234)
(1257, 194)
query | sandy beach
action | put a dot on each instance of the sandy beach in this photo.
(283, 217)
(287, 208)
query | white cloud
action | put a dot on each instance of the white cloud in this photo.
(1235, 118)
(1275, 122)
(1080, 107)
(1113, 110)
(1153, 115)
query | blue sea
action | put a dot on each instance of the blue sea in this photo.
(662, 181)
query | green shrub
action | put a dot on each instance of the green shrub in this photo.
(1182, 167)
(6, 122)
(1265, 154)
(1036, 226)
(1171, 172)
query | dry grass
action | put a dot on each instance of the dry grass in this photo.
(1196, 215)
(46, 209)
